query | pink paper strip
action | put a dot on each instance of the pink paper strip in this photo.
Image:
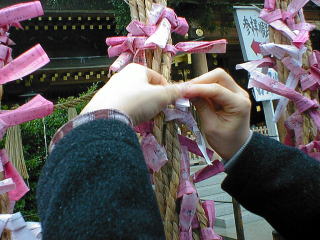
(294, 123)
(37, 107)
(185, 186)
(161, 35)
(296, 73)
(187, 119)
(154, 154)
(208, 172)
(265, 82)
(252, 65)
(113, 41)
(302, 103)
(270, 4)
(292, 83)
(193, 147)
(283, 28)
(312, 149)
(137, 28)
(7, 185)
(208, 233)
(295, 6)
(195, 222)
(21, 188)
(218, 46)
(280, 51)
(123, 60)
(20, 12)
(23, 65)
(4, 157)
(4, 38)
(155, 13)
(5, 52)
(311, 81)
(178, 25)
(270, 16)
(144, 128)
(185, 235)
(187, 211)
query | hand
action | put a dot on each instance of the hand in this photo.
(224, 110)
(137, 91)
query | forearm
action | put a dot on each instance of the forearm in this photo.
(280, 183)
(95, 184)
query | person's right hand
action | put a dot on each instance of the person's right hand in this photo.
(224, 110)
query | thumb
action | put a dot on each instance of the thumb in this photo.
(214, 93)
(170, 93)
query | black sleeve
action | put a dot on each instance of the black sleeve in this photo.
(95, 185)
(279, 183)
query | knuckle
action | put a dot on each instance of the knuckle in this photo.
(246, 103)
(220, 71)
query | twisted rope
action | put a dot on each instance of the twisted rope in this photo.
(74, 102)
(309, 131)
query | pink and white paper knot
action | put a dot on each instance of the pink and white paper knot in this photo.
(187, 119)
(37, 107)
(294, 127)
(302, 103)
(312, 149)
(208, 233)
(284, 21)
(10, 172)
(161, 22)
(20, 230)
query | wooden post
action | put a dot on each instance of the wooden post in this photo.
(276, 236)
(238, 219)
(199, 64)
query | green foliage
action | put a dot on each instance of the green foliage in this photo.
(33, 139)
(122, 15)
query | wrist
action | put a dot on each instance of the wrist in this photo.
(228, 145)
(87, 117)
(229, 163)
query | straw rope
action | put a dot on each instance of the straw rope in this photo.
(74, 102)
(4, 209)
(309, 131)
(133, 10)
(14, 149)
(72, 113)
(167, 180)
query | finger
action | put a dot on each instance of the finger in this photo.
(167, 94)
(155, 78)
(143, 74)
(214, 92)
(218, 76)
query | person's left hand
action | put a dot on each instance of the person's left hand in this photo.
(137, 91)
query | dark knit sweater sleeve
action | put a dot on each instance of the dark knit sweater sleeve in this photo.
(279, 183)
(95, 185)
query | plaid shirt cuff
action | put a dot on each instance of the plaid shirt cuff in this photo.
(82, 119)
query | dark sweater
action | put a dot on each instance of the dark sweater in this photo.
(95, 185)
(279, 183)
